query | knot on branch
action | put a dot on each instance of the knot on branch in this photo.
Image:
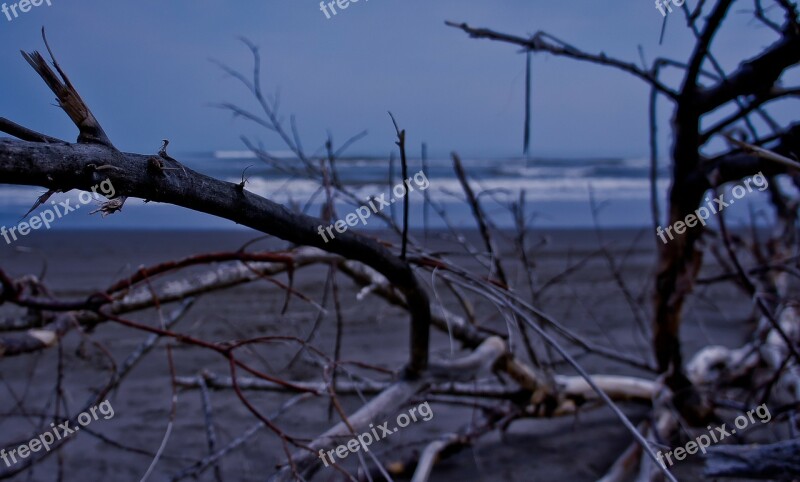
(156, 166)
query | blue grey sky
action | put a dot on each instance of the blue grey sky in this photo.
(143, 66)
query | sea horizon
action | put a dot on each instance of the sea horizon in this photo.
(558, 192)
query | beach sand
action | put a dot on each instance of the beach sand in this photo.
(579, 448)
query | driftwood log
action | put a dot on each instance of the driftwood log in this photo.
(693, 173)
(679, 395)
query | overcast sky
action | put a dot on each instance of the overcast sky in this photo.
(143, 66)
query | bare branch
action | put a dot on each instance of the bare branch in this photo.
(539, 43)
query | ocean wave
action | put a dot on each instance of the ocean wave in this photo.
(546, 171)
(244, 154)
(562, 189)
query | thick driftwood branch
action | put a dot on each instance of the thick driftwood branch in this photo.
(775, 461)
(74, 166)
(77, 166)
(306, 462)
(346, 387)
(756, 76)
(703, 43)
(571, 387)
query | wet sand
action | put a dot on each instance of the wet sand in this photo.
(76, 264)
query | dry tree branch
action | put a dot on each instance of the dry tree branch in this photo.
(306, 462)
(679, 260)
(766, 154)
(477, 213)
(40, 160)
(72, 166)
(585, 375)
(26, 134)
(543, 42)
(401, 144)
